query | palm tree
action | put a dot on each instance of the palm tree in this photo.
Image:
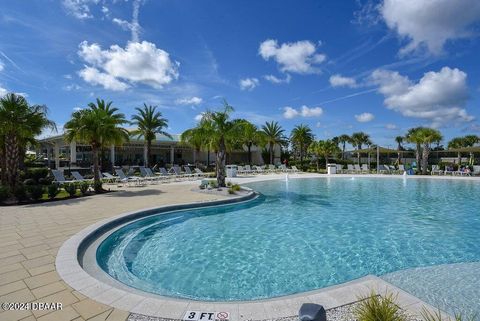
(456, 143)
(413, 137)
(273, 133)
(358, 140)
(344, 139)
(149, 123)
(250, 136)
(427, 136)
(223, 133)
(98, 128)
(301, 137)
(323, 148)
(399, 141)
(20, 123)
(195, 138)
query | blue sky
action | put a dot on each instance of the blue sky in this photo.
(338, 66)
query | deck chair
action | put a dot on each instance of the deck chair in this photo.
(436, 170)
(357, 168)
(78, 177)
(476, 170)
(401, 168)
(365, 169)
(129, 180)
(189, 172)
(259, 170)
(240, 170)
(109, 178)
(59, 178)
(295, 169)
(248, 169)
(199, 172)
(350, 169)
(146, 176)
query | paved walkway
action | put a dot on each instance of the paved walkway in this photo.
(31, 235)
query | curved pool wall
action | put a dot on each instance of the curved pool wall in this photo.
(388, 225)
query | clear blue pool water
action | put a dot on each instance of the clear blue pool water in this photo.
(300, 236)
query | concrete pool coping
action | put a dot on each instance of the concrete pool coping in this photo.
(70, 270)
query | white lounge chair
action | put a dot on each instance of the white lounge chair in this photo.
(200, 172)
(357, 168)
(401, 168)
(189, 172)
(259, 169)
(78, 177)
(109, 178)
(248, 169)
(295, 169)
(365, 169)
(59, 178)
(339, 168)
(272, 168)
(476, 170)
(129, 180)
(436, 170)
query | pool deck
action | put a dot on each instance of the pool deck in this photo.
(31, 235)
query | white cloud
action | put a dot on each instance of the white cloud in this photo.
(193, 101)
(1, 65)
(199, 117)
(276, 80)
(439, 97)
(116, 67)
(364, 117)
(391, 126)
(340, 81)
(304, 111)
(77, 108)
(248, 83)
(298, 57)
(134, 25)
(71, 87)
(430, 23)
(3, 91)
(79, 8)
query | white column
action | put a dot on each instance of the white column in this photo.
(112, 155)
(48, 155)
(73, 152)
(172, 154)
(57, 155)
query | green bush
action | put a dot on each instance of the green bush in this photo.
(52, 190)
(29, 182)
(70, 188)
(36, 173)
(35, 192)
(231, 191)
(236, 187)
(4, 193)
(98, 187)
(84, 187)
(20, 193)
(45, 181)
(437, 316)
(229, 184)
(213, 184)
(379, 308)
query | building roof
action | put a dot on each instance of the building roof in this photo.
(159, 138)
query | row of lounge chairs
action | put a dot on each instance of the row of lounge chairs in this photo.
(146, 176)
(465, 172)
(365, 169)
(265, 169)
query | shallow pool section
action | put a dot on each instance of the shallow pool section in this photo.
(300, 235)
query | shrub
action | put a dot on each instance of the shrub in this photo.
(437, 316)
(20, 193)
(29, 182)
(45, 181)
(379, 308)
(229, 184)
(84, 187)
(52, 190)
(213, 184)
(4, 193)
(35, 192)
(36, 173)
(231, 191)
(70, 188)
(97, 187)
(236, 187)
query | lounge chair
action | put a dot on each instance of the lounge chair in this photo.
(357, 168)
(401, 168)
(128, 180)
(109, 178)
(436, 170)
(248, 169)
(476, 170)
(383, 169)
(339, 168)
(78, 177)
(350, 169)
(259, 169)
(189, 172)
(146, 176)
(59, 178)
(272, 168)
(200, 172)
(365, 169)
(295, 169)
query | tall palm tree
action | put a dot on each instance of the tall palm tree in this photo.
(250, 136)
(98, 128)
(223, 133)
(358, 140)
(20, 123)
(301, 137)
(456, 143)
(273, 133)
(344, 139)
(399, 141)
(149, 123)
(427, 136)
(323, 148)
(413, 137)
(195, 138)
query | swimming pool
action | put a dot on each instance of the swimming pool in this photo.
(298, 236)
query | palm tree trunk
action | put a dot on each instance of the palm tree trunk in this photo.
(425, 153)
(96, 176)
(149, 152)
(208, 157)
(417, 156)
(271, 153)
(343, 151)
(11, 160)
(3, 164)
(326, 161)
(221, 164)
(249, 146)
(459, 159)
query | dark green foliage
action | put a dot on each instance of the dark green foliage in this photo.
(20, 193)
(70, 188)
(35, 192)
(45, 181)
(231, 191)
(53, 190)
(97, 187)
(36, 173)
(84, 187)
(4, 193)
(437, 316)
(236, 187)
(29, 182)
